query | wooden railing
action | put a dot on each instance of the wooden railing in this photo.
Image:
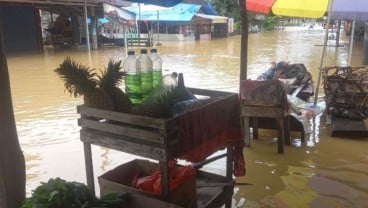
(139, 42)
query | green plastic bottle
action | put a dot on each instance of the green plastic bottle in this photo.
(133, 84)
(146, 73)
(156, 67)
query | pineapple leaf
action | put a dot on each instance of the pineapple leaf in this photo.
(112, 76)
(78, 79)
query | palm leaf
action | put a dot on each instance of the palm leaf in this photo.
(78, 79)
(112, 76)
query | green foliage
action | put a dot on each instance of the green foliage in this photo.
(112, 75)
(228, 8)
(58, 193)
(78, 79)
(270, 22)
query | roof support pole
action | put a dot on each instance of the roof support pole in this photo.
(244, 40)
(365, 45)
(87, 36)
(351, 42)
(330, 3)
(12, 163)
(87, 31)
(338, 33)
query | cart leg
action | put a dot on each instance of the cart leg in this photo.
(246, 131)
(164, 180)
(281, 135)
(287, 129)
(229, 176)
(255, 127)
(89, 166)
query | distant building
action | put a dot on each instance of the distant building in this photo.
(181, 22)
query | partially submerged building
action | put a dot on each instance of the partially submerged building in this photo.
(181, 22)
(63, 22)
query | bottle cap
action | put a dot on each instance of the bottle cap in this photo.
(143, 51)
(130, 52)
(153, 50)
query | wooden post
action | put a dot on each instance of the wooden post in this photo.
(89, 166)
(12, 163)
(246, 130)
(244, 40)
(365, 45)
(281, 135)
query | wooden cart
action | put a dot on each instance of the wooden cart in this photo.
(156, 139)
(346, 94)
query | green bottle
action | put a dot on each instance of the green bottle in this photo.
(133, 86)
(146, 73)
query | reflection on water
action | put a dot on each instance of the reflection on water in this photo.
(322, 172)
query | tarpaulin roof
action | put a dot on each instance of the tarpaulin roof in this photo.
(208, 8)
(164, 3)
(340, 9)
(180, 13)
(113, 12)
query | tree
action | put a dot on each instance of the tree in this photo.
(12, 164)
(228, 8)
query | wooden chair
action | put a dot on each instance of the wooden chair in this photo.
(265, 99)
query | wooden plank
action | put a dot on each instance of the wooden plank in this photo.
(145, 134)
(121, 117)
(210, 93)
(118, 143)
(146, 42)
(262, 111)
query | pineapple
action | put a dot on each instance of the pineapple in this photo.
(109, 81)
(80, 81)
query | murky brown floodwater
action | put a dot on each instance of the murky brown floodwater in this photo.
(322, 172)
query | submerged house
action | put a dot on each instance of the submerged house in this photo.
(181, 22)
(65, 23)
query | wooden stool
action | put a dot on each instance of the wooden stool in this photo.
(275, 112)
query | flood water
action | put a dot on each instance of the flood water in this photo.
(323, 171)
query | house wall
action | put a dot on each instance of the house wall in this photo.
(172, 37)
(205, 36)
(220, 30)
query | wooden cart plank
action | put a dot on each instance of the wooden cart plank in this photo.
(122, 117)
(344, 126)
(142, 133)
(117, 143)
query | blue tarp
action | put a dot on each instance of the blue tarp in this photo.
(178, 14)
(164, 3)
(100, 20)
(208, 8)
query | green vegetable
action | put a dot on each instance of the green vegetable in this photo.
(58, 193)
